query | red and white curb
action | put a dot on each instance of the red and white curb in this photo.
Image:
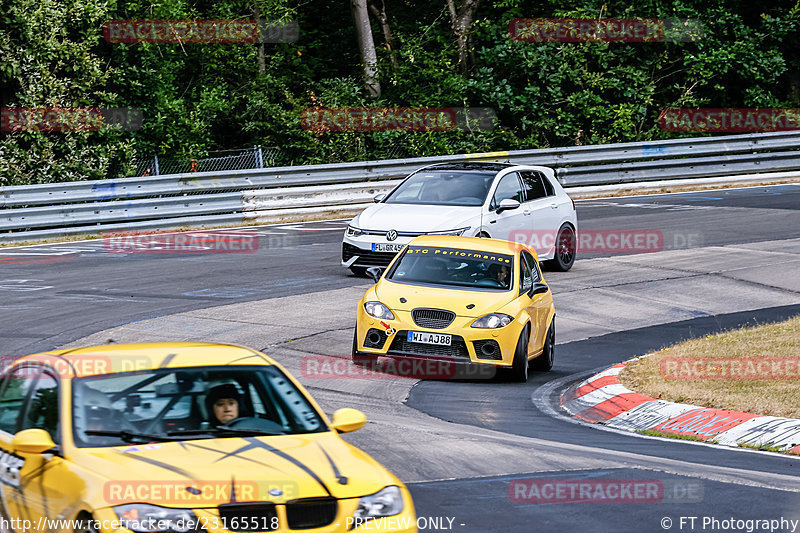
(602, 399)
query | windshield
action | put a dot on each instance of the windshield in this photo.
(454, 266)
(443, 187)
(116, 409)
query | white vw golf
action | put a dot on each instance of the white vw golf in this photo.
(497, 200)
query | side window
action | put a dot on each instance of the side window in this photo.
(15, 389)
(42, 410)
(526, 278)
(508, 187)
(536, 276)
(536, 186)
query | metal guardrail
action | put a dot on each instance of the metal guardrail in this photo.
(239, 196)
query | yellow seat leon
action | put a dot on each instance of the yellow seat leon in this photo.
(181, 437)
(464, 301)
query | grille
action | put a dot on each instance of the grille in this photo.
(248, 517)
(311, 513)
(488, 349)
(433, 318)
(366, 258)
(401, 346)
(371, 333)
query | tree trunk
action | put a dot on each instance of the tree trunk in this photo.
(262, 60)
(461, 22)
(380, 14)
(366, 46)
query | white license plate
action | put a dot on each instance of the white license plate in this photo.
(390, 247)
(429, 338)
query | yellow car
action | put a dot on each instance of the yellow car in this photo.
(181, 437)
(460, 299)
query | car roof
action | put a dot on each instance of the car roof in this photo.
(112, 358)
(471, 165)
(470, 243)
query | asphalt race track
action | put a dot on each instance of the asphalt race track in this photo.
(726, 258)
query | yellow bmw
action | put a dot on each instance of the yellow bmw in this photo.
(463, 300)
(181, 437)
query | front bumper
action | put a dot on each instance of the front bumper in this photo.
(361, 248)
(469, 345)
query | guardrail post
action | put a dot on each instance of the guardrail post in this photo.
(259, 156)
(155, 165)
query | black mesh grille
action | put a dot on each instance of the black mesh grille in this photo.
(371, 333)
(487, 349)
(401, 346)
(433, 318)
(248, 517)
(311, 513)
(366, 258)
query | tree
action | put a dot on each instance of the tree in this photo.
(369, 60)
(461, 22)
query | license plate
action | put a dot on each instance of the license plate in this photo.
(386, 247)
(429, 338)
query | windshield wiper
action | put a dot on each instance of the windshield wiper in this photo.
(223, 429)
(128, 436)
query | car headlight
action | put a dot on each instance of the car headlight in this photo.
(455, 232)
(145, 518)
(386, 502)
(492, 321)
(353, 231)
(378, 310)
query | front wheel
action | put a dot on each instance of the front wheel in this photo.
(544, 362)
(519, 366)
(359, 272)
(566, 245)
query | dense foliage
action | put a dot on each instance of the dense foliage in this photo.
(201, 97)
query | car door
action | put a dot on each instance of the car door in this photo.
(14, 391)
(539, 306)
(501, 225)
(545, 210)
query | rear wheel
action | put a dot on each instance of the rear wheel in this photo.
(483, 235)
(85, 523)
(358, 357)
(544, 362)
(519, 365)
(566, 245)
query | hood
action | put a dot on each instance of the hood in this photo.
(206, 472)
(417, 218)
(454, 299)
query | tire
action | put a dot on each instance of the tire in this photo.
(519, 366)
(566, 246)
(544, 362)
(483, 235)
(84, 523)
(359, 272)
(358, 357)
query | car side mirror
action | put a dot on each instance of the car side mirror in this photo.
(347, 420)
(507, 205)
(375, 273)
(32, 440)
(538, 288)
(378, 198)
